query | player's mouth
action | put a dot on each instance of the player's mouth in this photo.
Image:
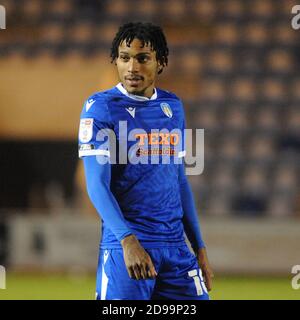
(133, 81)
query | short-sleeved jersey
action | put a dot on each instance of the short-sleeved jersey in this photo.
(145, 155)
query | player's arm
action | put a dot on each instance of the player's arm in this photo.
(138, 263)
(95, 127)
(94, 133)
(191, 226)
(97, 182)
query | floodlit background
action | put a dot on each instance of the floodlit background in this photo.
(236, 66)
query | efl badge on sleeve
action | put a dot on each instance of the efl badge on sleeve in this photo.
(165, 107)
(86, 130)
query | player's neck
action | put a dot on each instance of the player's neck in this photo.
(152, 96)
(148, 93)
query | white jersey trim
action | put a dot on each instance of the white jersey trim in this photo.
(96, 152)
(120, 87)
(104, 279)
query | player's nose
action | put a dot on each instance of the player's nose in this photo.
(133, 66)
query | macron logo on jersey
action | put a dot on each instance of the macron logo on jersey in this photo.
(89, 103)
(131, 110)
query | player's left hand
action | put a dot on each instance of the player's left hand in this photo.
(205, 267)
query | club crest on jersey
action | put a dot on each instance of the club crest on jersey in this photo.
(165, 107)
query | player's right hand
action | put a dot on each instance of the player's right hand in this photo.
(138, 262)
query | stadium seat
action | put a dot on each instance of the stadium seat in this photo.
(52, 33)
(280, 61)
(243, 90)
(284, 35)
(191, 62)
(212, 90)
(266, 119)
(255, 34)
(147, 8)
(236, 119)
(261, 148)
(117, 8)
(59, 7)
(273, 90)
(232, 9)
(220, 62)
(33, 10)
(205, 10)
(226, 34)
(82, 32)
(261, 9)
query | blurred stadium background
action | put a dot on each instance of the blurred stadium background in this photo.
(236, 66)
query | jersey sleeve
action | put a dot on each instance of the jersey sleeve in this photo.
(94, 128)
(190, 217)
(98, 178)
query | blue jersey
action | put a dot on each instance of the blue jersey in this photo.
(147, 191)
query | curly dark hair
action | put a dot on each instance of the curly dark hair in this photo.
(148, 34)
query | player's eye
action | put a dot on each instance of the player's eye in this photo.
(124, 58)
(143, 59)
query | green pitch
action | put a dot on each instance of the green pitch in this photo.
(57, 287)
(254, 288)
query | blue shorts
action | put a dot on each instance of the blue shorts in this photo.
(179, 277)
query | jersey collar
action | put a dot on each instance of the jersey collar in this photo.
(135, 97)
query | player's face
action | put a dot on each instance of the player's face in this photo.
(137, 67)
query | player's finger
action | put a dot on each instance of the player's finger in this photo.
(208, 281)
(143, 271)
(137, 273)
(131, 272)
(150, 275)
(151, 271)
